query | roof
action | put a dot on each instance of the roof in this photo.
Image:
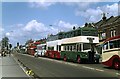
(107, 21)
(37, 43)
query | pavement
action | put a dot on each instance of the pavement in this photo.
(9, 68)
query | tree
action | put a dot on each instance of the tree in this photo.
(5, 43)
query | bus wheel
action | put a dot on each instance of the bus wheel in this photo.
(65, 58)
(116, 64)
(78, 59)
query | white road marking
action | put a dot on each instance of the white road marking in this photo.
(117, 73)
(88, 67)
(93, 68)
(100, 70)
(72, 64)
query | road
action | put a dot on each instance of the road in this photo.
(46, 67)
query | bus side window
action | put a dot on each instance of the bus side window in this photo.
(114, 44)
(105, 47)
(111, 45)
(59, 48)
(118, 42)
(45, 47)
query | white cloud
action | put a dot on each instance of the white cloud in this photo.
(62, 26)
(35, 26)
(111, 9)
(47, 3)
(36, 30)
(38, 27)
(93, 15)
(7, 34)
(74, 0)
(42, 3)
(65, 25)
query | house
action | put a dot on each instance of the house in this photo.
(108, 27)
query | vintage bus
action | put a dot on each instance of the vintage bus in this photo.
(41, 50)
(111, 52)
(79, 49)
(79, 45)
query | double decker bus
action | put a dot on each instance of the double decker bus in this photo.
(111, 52)
(81, 49)
(79, 45)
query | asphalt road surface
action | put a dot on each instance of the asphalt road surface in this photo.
(46, 67)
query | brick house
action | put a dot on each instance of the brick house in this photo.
(108, 27)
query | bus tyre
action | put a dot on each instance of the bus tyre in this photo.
(116, 64)
(78, 59)
(65, 58)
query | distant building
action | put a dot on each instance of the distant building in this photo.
(108, 27)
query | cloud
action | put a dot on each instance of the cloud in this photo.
(7, 34)
(36, 30)
(111, 9)
(73, 0)
(62, 25)
(42, 3)
(48, 3)
(93, 15)
(39, 27)
(35, 26)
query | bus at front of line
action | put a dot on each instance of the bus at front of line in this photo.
(79, 49)
(111, 52)
(79, 45)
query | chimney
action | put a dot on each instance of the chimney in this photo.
(104, 17)
(74, 28)
(86, 24)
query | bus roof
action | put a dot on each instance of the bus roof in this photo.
(112, 38)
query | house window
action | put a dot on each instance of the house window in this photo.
(100, 36)
(113, 33)
(103, 35)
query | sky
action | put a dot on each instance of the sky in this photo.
(36, 19)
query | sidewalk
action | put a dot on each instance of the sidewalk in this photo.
(10, 68)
